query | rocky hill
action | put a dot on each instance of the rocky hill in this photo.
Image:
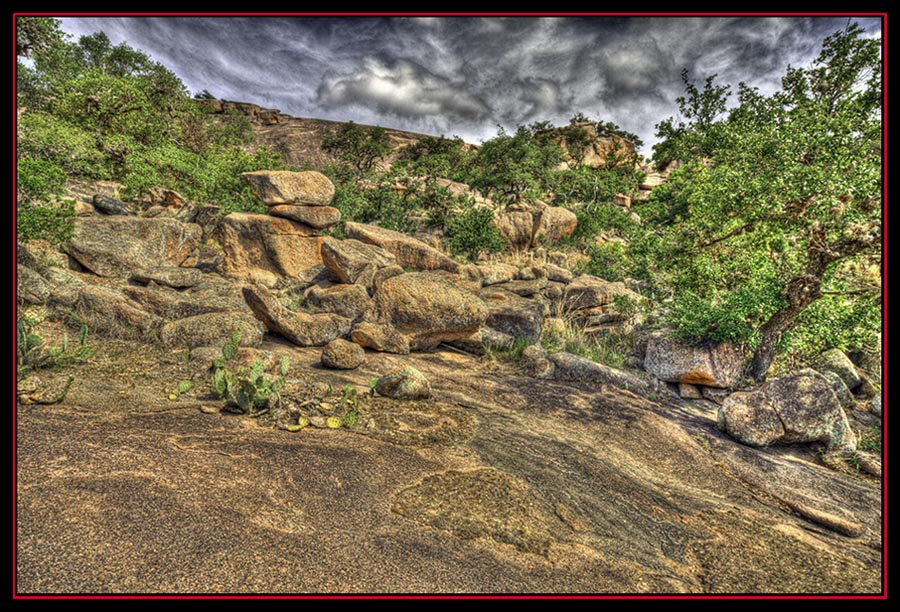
(267, 408)
(297, 139)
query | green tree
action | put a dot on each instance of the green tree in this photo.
(359, 147)
(515, 166)
(776, 198)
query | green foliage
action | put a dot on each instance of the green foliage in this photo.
(104, 111)
(33, 353)
(870, 440)
(53, 139)
(472, 232)
(595, 186)
(246, 388)
(436, 158)
(774, 198)
(608, 128)
(39, 178)
(608, 261)
(358, 147)
(515, 166)
(698, 135)
(350, 404)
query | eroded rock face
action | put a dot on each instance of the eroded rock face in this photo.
(577, 368)
(408, 251)
(115, 246)
(342, 355)
(588, 291)
(718, 365)
(109, 312)
(428, 309)
(300, 328)
(31, 286)
(797, 408)
(262, 248)
(275, 187)
(405, 384)
(351, 301)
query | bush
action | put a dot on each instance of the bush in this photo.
(473, 232)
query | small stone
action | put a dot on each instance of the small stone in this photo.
(405, 383)
(208, 409)
(317, 421)
(340, 354)
(688, 391)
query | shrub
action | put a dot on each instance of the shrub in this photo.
(473, 232)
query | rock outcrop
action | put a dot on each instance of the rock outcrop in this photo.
(351, 261)
(263, 249)
(115, 246)
(279, 187)
(712, 365)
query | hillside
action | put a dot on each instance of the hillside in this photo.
(298, 140)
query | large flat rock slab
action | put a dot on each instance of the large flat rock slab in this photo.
(596, 490)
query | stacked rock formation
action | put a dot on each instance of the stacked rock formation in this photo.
(285, 242)
(303, 197)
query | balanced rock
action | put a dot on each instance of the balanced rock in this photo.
(275, 187)
(428, 309)
(318, 217)
(342, 355)
(404, 384)
(299, 328)
(798, 408)
(408, 251)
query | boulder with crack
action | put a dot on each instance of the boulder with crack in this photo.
(299, 328)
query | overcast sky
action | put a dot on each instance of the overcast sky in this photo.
(464, 76)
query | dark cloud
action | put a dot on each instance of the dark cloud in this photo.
(466, 75)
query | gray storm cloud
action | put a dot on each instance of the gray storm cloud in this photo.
(465, 76)
(403, 89)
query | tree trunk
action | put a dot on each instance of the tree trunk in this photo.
(769, 337)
